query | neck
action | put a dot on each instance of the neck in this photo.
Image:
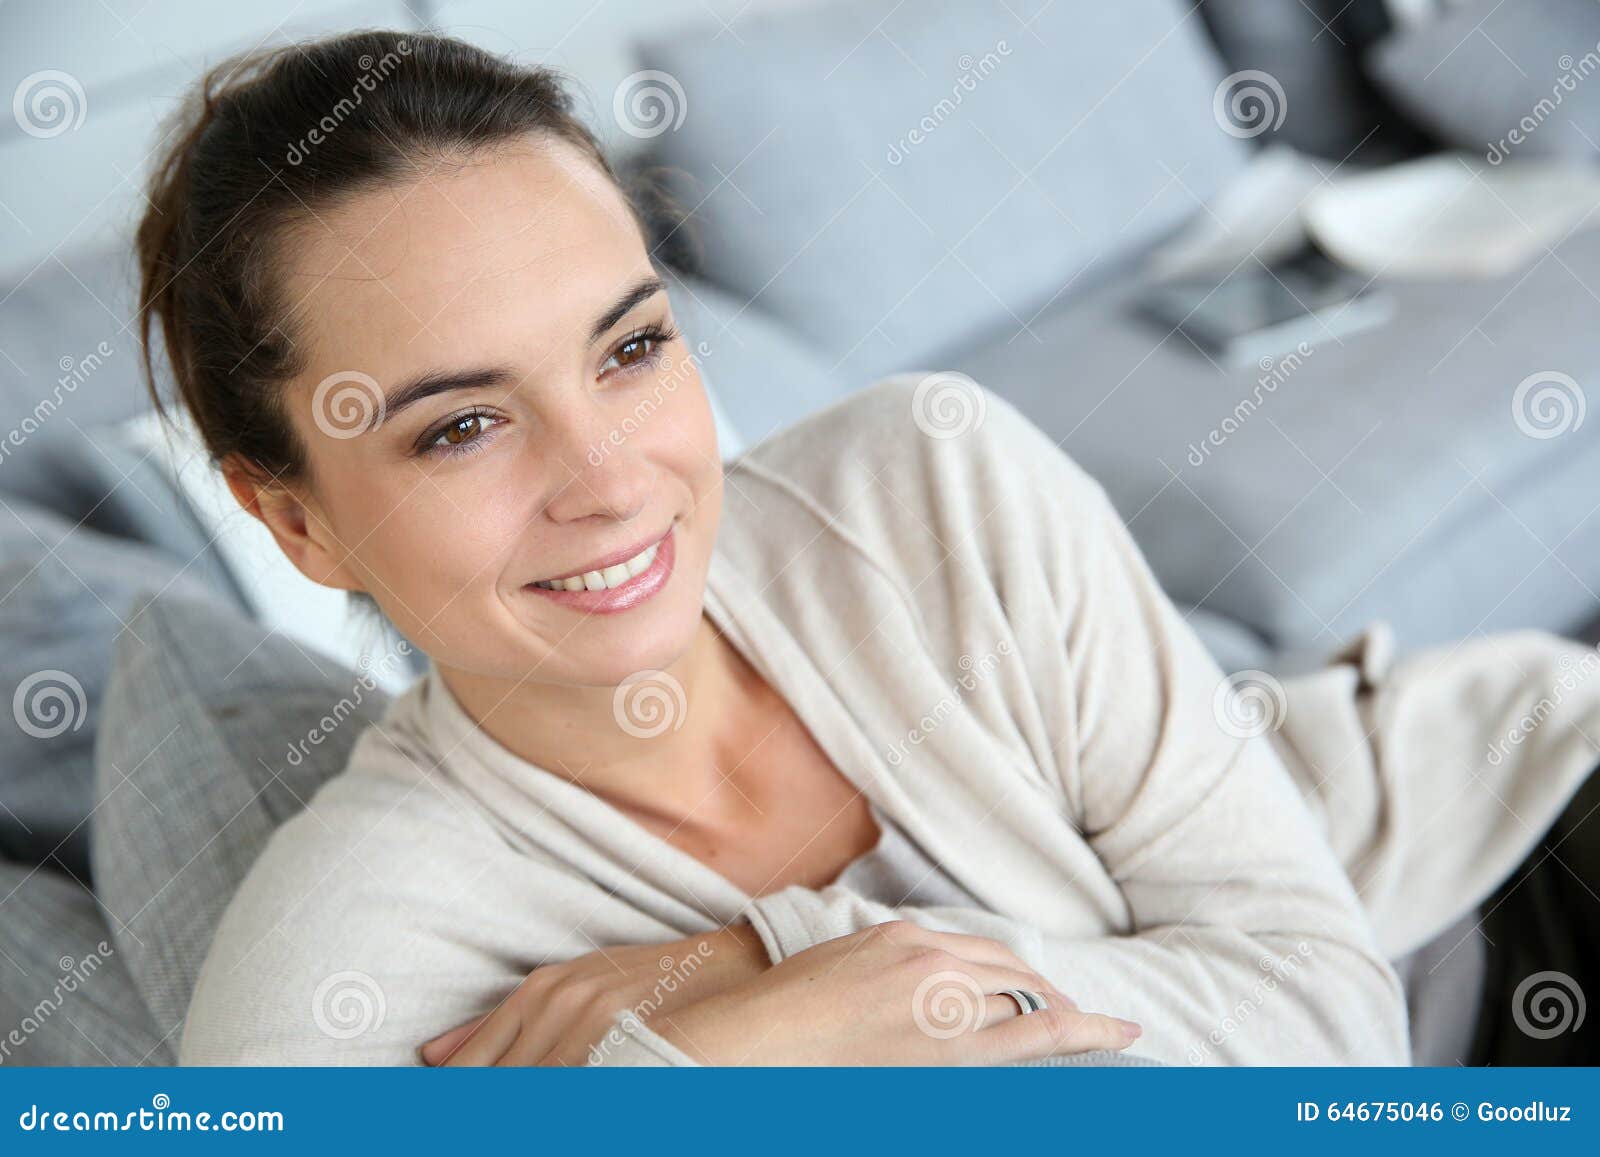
(575, 732)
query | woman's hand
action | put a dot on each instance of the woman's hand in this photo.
(893, 994)
(558, 1013)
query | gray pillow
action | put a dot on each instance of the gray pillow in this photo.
(1501, 79)
(214, 731)
(893, 180)
(66, 997)
(66, 595)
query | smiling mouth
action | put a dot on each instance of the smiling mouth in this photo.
(605, 578)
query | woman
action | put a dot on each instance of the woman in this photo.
(879, 748)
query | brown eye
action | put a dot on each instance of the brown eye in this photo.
(462, 429)
(640, 347)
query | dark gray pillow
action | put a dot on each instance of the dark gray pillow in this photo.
(1501, 79)
(66, 595)
(213, 732)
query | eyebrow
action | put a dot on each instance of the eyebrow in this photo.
(434, 382)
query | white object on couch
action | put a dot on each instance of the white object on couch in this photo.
(1452, 215)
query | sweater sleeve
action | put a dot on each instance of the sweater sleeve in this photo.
(1245, 943)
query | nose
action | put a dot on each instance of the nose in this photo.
(598, 474)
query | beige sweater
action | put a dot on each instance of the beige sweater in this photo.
(967, 628)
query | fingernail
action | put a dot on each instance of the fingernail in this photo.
(1129, 1029)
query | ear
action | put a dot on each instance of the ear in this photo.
(294, 519)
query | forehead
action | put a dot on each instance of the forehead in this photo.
(432, 268)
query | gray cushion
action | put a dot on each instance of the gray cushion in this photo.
(1488, 68)
(66, 595)
(213, 733)
(66, 996)
(1046, 148)
(1387, 476)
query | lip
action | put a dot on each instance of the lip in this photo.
(642, 586)
(604, 561)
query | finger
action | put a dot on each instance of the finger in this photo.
(442, 1045)
(1054, 1031)
(485, 1044)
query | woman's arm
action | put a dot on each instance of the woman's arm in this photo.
(1246, 943)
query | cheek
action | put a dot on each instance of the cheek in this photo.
(686, 437)
(425, 545)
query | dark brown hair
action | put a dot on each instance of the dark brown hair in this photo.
(268, 140)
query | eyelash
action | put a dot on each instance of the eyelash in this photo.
(430, 444)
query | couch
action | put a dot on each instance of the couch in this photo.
(937, 186)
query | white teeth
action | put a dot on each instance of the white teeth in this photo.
(612, 576)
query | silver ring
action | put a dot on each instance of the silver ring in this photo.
(1027, 1002)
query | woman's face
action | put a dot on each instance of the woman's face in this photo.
(493, 397)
